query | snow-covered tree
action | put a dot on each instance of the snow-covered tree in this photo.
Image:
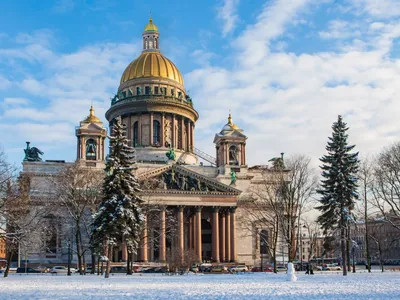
(339, 184)
(120, 217)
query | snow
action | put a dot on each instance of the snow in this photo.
(208, 286)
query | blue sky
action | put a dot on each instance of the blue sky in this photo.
(285, 69)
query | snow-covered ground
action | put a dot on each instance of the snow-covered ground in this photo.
(211, 286)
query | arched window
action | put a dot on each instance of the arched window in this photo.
(156, 132)
(233, 155)
(91, 149)
(135, 134)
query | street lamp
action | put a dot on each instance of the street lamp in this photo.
(69, 258)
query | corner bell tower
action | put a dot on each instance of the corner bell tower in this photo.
(230, 146)
(91, 137)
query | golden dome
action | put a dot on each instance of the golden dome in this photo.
(150, 26)
(152, 64)
(91, 118)
(231, 124)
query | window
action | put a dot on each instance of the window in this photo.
(91, 148)
(156, 90)
(138, 90)
(147, 90)
(156, 132)
(179, 95)
(135, 134)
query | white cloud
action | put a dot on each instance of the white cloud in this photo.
(339, 29)
(227, 13)
(377, 8)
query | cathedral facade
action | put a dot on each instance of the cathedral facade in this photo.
(202, 195)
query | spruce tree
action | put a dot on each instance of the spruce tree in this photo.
(120, 216)
(339, 184)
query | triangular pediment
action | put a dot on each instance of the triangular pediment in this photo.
(177, 178)
(92, 126)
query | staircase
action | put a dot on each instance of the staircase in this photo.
(205, 156)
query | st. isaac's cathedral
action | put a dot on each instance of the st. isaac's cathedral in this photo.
(204, 198)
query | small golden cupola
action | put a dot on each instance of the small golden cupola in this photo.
(91, 137)
(91, 118)
(230, 125)
(230, 144)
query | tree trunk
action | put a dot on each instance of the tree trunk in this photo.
(348, 248)
(9, 258)
(366, 232)
(93, 256)
(128, 265)
(343, 248)
(78, 247)
(110, 252)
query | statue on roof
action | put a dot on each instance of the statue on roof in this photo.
(277, 162)
(32, 154)
(171, 154)
(233, 177)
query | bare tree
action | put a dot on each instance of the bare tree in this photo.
(386, 187)
(366, 182)
(262, 212)
(298, 188)
(79, 189)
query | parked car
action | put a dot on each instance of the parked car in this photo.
(238, 268)
(281, 269)
(194, 269)
(333, 267)
(264, 269)
(61, 270)
(43, 269)
(219, 269)
(27, 270)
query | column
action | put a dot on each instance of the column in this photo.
(181, 237)
(199, 249)
(173, 133)
(244, 153)
(143, 248)
(83, 147)
(228, 236)
(190, 232)
(226, 154)
(140, 130)
(162, 243)
(233, 234)
(162, 140)
(222, 237)
(129, 130)
(189, 134)
(182, 133)
(151, 128)
(192, 136)
(215, 235)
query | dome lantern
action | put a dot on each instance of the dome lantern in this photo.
(150, 37)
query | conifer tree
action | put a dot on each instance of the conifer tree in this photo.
(339, 184)
(120, 216)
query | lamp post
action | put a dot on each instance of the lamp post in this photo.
(69, 258)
